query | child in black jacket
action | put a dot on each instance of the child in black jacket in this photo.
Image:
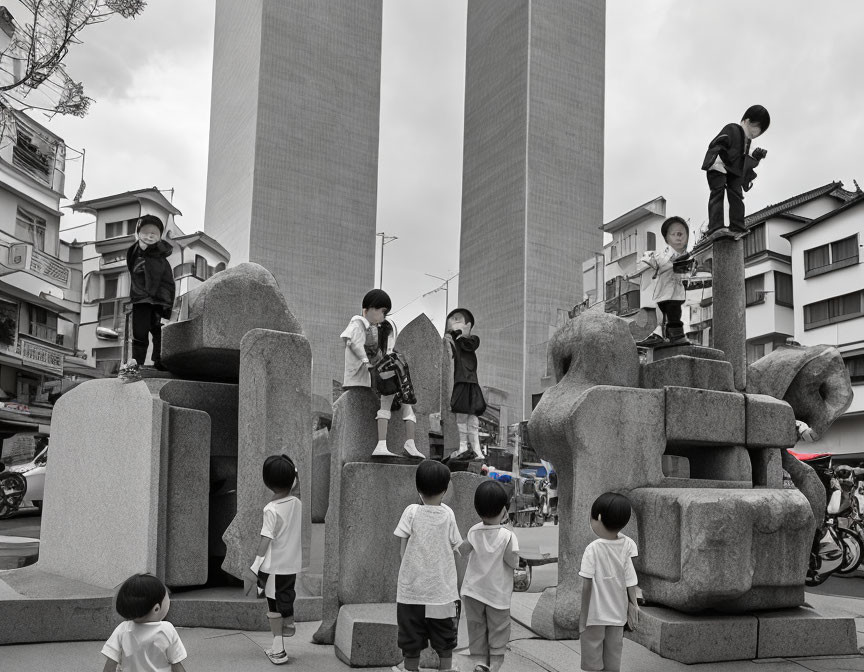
(152, 292)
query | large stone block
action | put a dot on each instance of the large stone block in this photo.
(366, 635)
(704, 417)
(767, 468)
(187, 499)
(416, 341)
(274, 417)
(803, 631)
(353, 435)
(754, 559)
(770, 422)
(813, 380)
(218, 400)
(692, 638)
(320, 474)
(206, 345)
(697, 351)
(123, 444)
(706, 374)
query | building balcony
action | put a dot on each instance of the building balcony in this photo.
(25, 257)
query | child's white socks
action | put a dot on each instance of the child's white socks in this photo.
(278, 647)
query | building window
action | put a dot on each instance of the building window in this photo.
(113, 257)
(755, 242)
(182, 270)
(33, 153)
(200, 267)
(754, 289)
(30, 228)
(755, 351)
(112, 314)
(122, 228)
(830, 257)
(111, 284)
(651, 243)
(855, 367)
(219, 267)
(783, 289)
(43, 324)
(830, 311)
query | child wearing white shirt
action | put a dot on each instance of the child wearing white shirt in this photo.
(279, 557)
(609, 580)
(144, 642)
(488, 583)
(426, 594)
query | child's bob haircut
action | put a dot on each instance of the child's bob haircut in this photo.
(665, 226)
(279, 472)
(138, 595)
(611, 509)
(490, 498)
(377, 298)
(464, 312)
(758, 115)
(432, 478)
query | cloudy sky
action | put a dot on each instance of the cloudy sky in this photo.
(676, 71)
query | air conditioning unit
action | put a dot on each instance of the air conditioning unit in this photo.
(106, 333)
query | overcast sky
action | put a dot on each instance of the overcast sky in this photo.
(676, 72)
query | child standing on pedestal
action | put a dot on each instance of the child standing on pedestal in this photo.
(279, 557)
(151, 292)
(729, 167)
(667, 282)
(144, 642)
(609, 599)
(368, 337)
(426, 594)
(467, 401)
(488, 583)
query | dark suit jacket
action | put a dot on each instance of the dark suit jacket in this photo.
(732, 147)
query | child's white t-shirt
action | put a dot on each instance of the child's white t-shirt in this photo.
(356, 373)
(282, 523)
(145, 647)
(488, 578)
(608, 563)
(427, 574)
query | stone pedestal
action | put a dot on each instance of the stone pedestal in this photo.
(730, 303)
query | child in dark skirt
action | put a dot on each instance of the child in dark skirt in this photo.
(467, 401)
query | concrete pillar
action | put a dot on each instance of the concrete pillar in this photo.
(729, 324)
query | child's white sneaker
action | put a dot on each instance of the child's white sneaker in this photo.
(381, 450)
(129, 372)
(411, 449)
(280, 658)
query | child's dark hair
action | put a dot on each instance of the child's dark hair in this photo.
(758, 115)
(432, 478)
(377, 298)
(664, 227)
(279, 472)
(138, 595)
(614, 509)
(490, 498)
(150, 219)
(464, 312)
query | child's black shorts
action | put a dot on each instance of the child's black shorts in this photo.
(283, 602)
(415, 630)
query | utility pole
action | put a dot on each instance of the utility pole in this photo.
(384, 240)
(445, 287)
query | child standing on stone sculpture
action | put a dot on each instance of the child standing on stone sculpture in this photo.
(144, 642)
(426, 593)
(151, 292)
(467, 401)
(279, 557)
(667, 282)
(729, 167)
(368, 337)
(609, 597)
(488, 583)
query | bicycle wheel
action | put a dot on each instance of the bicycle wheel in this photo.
(851, 551)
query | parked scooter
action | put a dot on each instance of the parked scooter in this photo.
(547, 498)
(836, 548)
(13, 486)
